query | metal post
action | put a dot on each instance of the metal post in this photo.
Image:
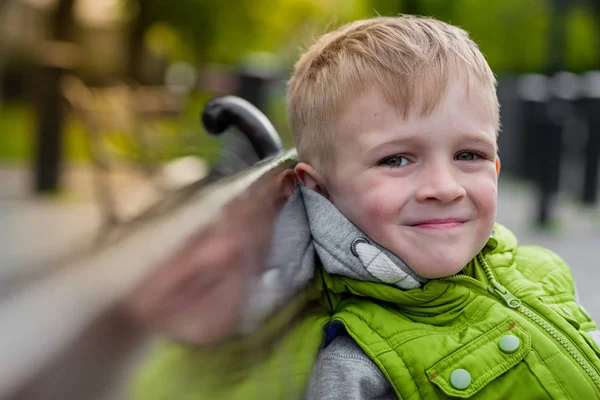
(48, 152)
(592, 155)
(549, 143)
(549, 140)
(533, 95)
(590, 105)
(50, 112)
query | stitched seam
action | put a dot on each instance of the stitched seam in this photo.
(559, 298)
(390, 350)
(551, 356)
(551, 271)
(459, 354)
(366, 323)
(484, 379)
(555, 355)
(476, 316)
(481, 312)
(547, 369)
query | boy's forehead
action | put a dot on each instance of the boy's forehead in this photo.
(463, 109)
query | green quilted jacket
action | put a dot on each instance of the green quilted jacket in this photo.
(507, 326)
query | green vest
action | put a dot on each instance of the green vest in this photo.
(507, 327)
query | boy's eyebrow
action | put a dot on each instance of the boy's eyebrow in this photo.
(479, 139)
(475, 139)
(382, 147)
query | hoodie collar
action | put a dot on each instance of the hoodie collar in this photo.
(345, 250)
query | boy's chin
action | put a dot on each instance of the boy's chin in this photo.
(435, 269)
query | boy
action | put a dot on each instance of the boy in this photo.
(395, 122)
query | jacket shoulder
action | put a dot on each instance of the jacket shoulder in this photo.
(541, 265)
(536, 264)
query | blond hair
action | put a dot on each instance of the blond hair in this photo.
(409, 59)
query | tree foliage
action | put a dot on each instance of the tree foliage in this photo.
(223, 31)
(514, 34)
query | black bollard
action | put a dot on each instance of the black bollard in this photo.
(549, 145)
(549, 141)
(590, 110)
(533, 93)
(50, 127)
(254, 86)
(546, 104)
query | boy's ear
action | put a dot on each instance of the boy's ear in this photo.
(287, 182)
(311, 178)
(498, 165)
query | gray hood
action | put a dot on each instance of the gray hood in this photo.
(310, 224)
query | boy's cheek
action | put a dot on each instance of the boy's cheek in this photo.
(371, 208)
(485, 197)
(487, 191)
(381, 212)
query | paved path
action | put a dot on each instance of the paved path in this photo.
(46, 232)
(38, 232)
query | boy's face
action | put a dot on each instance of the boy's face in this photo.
(424, 187)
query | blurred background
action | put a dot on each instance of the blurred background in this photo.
(100, 103)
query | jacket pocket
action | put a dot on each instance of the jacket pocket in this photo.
(471, 368)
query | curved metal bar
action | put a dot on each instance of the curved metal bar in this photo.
(222, 112)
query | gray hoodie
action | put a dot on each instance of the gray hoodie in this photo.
(309, 224)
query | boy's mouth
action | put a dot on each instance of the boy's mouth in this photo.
(438, 224)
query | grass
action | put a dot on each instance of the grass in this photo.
(17, 123)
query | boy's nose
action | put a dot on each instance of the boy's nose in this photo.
(439, 184)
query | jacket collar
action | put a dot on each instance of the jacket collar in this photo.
(345, 250)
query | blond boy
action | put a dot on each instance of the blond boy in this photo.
(395, 121)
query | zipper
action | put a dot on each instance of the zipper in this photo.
(512, 301)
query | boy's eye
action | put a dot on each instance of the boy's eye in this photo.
(466, 156)
(395, 161)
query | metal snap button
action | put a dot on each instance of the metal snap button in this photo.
(509, 343)
(460, 379)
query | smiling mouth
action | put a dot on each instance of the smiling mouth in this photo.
(439, 224)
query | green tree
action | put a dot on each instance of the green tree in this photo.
(582, 50)
(223, 31)
(515, 34)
